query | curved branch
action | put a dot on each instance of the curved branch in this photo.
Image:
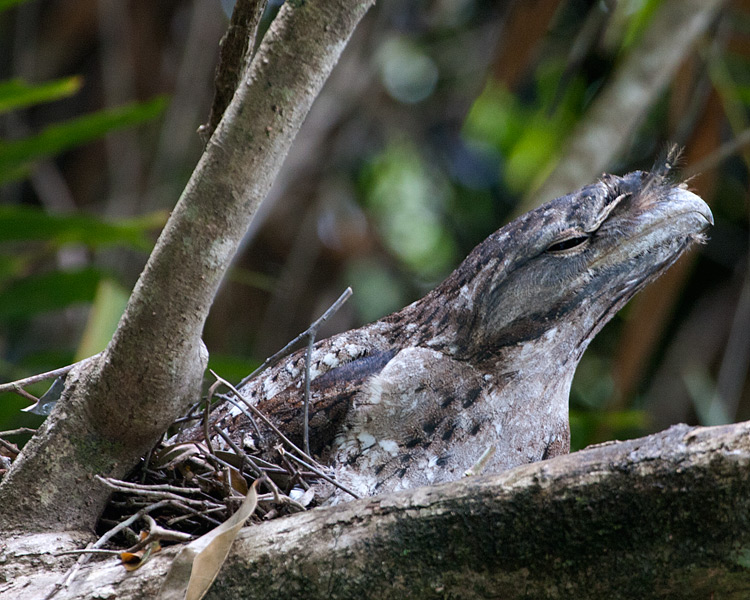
(115, 408)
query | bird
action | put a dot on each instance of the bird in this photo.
(476, 375)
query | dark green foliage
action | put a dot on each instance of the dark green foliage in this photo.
(17, 157)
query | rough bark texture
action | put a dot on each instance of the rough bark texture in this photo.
(663, 516)
(121, 403)
(237, 46)
(638, 82)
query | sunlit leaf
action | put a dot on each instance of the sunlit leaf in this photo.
(496, 118)
(16, 93)
(408, 200)
(378, 291)
(109, 304)
(59, 137)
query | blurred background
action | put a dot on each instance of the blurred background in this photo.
(443, 120)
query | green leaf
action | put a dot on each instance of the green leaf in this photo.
(16, 93)
(59, 137)
(20, 223)
(639, 21)
(231, 368)
(49, 291)
(12, 265)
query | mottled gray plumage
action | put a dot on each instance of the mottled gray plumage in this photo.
(482, 365)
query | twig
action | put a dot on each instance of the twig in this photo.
(163, 487)
(320, 473)
(478, 467)
(263, 418)
(89, 551)
(206, 411)
(296, 475)
(12, 448)
(312, 333)
(239, 452)
(241, 408)
(275, 358)
(73, 571)
(19, 431)
(119, 486)
(14, 386)
(24, 394)
(309, 334)
(158, 533)
(196, 513)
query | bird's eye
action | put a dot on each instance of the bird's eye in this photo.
(567, 244)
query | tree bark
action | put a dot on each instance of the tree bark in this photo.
(116, 407)
(661, 516)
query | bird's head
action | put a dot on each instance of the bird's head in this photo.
(561, 271)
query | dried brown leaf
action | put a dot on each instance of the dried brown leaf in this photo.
(196, 566)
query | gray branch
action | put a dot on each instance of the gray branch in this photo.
(115, 408)
(662, 516)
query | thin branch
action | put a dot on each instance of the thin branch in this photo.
(24, 394)
(89, 551)
(242, 409)
(19, 431)
(211, 391)
(320, 473)
(286, 350)
(15, 386)
(264, 418)
(311, 333)
(237, 47)
(157, 533)
(12, 448)
(140, 487)
(73, 571)
(239, 452)
(122, 486)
